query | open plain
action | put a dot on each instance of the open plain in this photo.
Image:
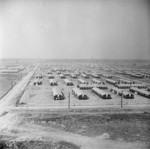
(31, 117)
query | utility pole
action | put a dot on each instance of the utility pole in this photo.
(122, 100)
(69, 101)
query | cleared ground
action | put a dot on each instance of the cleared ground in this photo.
(41, 95)
(42, 123)
(82, 130)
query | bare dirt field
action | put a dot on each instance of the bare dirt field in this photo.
(77, 131)
(41, 95)
(41, 122)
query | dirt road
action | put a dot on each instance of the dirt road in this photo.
(10, 98)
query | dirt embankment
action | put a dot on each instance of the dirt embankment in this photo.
(128, 127)
(79, 131)
(37, 145)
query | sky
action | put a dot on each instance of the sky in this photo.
(75, 29)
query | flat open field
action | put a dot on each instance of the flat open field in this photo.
(41, 95)
(7, 81)
(38, 121)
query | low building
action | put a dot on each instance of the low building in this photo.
(9, 71)
(39, 76)
(147, 76)
(95, 81)
(49, 72)
(68, 82)
(141, 92)
(95, 75)
(110, 81)
(101, 93)
(81, 81)
(50, 76)
(137, 75)
(62, 76)
(106, 75)
(57, 94)
(74, 76)
(84, 76)
(128, 86)
(124, 81)
(37, 81)
(90, 86)
(125, 94)
(53, 82)
(79, 94)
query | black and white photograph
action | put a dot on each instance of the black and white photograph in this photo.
(74, 74)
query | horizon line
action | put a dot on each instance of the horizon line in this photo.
(74, 59)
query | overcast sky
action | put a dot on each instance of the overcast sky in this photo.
(75, 29)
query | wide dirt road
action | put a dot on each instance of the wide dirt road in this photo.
(10, 98)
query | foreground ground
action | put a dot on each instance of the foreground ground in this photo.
(71, 130)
